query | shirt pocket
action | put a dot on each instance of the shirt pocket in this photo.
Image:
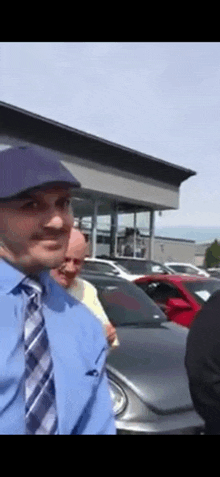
(94, 373)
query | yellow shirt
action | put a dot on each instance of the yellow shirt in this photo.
(87, 294)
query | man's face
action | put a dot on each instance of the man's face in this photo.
(73, 262)
(35, 228)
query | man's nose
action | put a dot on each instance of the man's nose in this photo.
(70, 267)
(55, 221)
(58, 220)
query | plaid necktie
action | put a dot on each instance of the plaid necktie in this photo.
(40, 406)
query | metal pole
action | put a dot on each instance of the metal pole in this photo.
(114, 231)
(151, 238)
(135, 234)
(94, 228)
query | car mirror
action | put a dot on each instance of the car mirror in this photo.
(178, 303)
(163, 307)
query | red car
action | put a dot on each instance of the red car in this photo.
(180, 297)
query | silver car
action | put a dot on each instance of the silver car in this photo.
(147, 376)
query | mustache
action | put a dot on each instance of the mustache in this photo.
(67, 274)
(51, 235)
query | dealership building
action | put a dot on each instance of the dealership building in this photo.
(115, 181)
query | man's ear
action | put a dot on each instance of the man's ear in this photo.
(1, 248)
(4, 252)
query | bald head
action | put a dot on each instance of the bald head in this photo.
(77, 242)
(73, 260)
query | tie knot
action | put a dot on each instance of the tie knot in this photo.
(33, 290)
(31, 287)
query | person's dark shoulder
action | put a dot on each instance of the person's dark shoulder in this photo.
(202, 357)
(210, 310)
(205, 329)
(215, 297)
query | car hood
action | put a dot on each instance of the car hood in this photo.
(131, 278)
(151, 362)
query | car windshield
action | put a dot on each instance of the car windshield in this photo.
(141, 267)
(101, 267)
(185, 269)
(119, 265)
(126, 304)
(202, 290)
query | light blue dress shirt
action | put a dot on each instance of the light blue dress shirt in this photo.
(78, 349)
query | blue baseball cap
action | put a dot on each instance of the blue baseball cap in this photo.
(25, 168)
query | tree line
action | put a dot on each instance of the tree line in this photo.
(212, 255)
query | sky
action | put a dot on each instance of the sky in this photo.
(160, 98)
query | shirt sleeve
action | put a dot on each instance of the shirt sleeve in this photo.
(91, 300)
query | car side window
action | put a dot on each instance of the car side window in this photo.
(160, 291)
(191, 271)
(104, 267)
(179, 268)
(148, 268)
(90, 266)
(97, 267)
(156, 269)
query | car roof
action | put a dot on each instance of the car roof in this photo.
(90, 259)
(174, 278)
(182, 263)
(138, 259)
(110, 260)
(102, 277)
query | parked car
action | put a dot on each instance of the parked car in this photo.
(142, 266)
(109, 267)
(186, 268)
(179, 296)
(125, 267)
(147, 376)
(214, 272)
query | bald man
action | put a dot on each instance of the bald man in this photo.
(67, 276)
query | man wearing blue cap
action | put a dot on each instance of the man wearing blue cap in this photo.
(52, 350)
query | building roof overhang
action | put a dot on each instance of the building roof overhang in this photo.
(25, 125)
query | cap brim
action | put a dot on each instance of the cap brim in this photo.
(26, 168)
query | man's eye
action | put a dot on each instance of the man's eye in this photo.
(32, 205)
(77, 262)
(65, 203)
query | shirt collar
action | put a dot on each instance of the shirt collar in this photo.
(45, 280)
(11, 277)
